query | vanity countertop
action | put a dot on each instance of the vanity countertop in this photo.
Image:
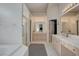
(74, 41)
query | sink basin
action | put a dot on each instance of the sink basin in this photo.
(71, 39)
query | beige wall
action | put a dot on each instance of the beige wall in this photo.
(54, 12)
(36, 19)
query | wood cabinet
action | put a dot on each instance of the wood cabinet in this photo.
(57, 45)
(63, 48)
(39, 37)
(66, 52)
(77, 52)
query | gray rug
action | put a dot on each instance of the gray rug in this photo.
(37, 50)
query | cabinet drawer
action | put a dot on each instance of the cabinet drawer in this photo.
(70, 47)
(77, 51)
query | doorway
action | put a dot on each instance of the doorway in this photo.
(52, 28)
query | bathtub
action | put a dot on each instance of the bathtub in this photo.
(13, 50)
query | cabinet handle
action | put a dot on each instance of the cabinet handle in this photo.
(73, 49)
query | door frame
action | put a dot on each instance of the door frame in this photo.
(55, 27)
(55, 20)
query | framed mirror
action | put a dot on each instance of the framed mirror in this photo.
(39, 27)
(69, 25)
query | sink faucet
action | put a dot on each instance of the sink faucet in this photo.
(67, 34)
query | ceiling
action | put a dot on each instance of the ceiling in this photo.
(37, 7)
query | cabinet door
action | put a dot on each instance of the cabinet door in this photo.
(66, 52)
(58, 47)
(77, 51)
(53, 41)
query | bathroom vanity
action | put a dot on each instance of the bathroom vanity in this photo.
(66, 46)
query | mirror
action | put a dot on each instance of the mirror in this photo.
(69, 24)
(39, 27)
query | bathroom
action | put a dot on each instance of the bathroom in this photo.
(52, 26)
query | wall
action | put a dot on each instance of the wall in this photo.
(78, 22)
(10, 23)
(62, 6)
(26, 25)
(39, 18)
(53, 13)
(55, 10)
(39, 13)
(14, 29)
